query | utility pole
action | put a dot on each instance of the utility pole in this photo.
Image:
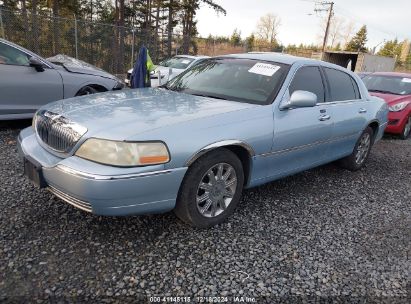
(330, 10)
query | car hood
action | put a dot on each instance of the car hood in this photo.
(119, 115)
(391, 99)
(74, 65)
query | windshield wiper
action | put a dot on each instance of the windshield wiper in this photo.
(210, 96)
(383, 91)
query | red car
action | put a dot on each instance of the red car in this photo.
(395, 89)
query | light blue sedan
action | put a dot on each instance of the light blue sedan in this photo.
(231, 122)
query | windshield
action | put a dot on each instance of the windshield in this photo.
(177, 62)
(243, 80)
(388, 84)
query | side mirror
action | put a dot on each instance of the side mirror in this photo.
(300, 99)
(37, 64)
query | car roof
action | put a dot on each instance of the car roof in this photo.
(192, 57)
(392, 74)
(271, 56)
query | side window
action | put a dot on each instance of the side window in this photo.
(342, 86)
(10, 55)
(308, 79)
(356, 89)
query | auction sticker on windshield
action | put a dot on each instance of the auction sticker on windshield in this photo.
(407, 80)
(264, 69)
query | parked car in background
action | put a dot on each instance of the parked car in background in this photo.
(395, 89)
(28, 81)
(169, 68)
(225, 124)
(363, 74)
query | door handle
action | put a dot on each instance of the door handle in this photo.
(362, 110)
(324, 117)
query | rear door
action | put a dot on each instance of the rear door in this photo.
(350, 111)
(23, 89)
(301, 135)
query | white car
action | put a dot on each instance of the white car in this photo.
(170, 68)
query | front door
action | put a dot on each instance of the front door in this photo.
(301, 135)
(23, 89)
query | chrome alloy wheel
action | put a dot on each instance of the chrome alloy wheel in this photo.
(363, 148)
(216, 190)
(407, 128)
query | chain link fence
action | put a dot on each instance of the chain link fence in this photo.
(106, 46)
(110, 47)
(114, 48)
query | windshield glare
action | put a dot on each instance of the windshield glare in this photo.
(177, 62)
(388, 84)
(243, 80)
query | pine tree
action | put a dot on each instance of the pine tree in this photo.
(236, 38)
(391, 48)
(357, 43)
(249, 42)
(337, 47)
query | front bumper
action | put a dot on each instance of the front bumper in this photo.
(91, 187)
(396, 122)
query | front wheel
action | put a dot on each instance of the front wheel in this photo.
(407, 129)
(211, 189)
(87, 90)
(357, 158)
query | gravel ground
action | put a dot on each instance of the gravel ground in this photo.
(325, 234)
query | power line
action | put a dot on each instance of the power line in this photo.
(358, 20)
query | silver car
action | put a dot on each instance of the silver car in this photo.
(28, 81)
(169, 68)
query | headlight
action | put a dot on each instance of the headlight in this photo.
(399, 106)
(124, 154)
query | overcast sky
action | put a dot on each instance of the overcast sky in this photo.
(385, 19)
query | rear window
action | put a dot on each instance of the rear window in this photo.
(342, 86)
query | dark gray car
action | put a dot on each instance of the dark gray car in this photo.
(28, 81)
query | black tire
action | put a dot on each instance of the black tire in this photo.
(407, 129)
(187, 208)
(87, 90)
(352, 162)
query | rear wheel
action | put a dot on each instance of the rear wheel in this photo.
(87, 90)
(211, 189)
(407, 129)
(361, 151)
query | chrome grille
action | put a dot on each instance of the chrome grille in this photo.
(57, 132)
